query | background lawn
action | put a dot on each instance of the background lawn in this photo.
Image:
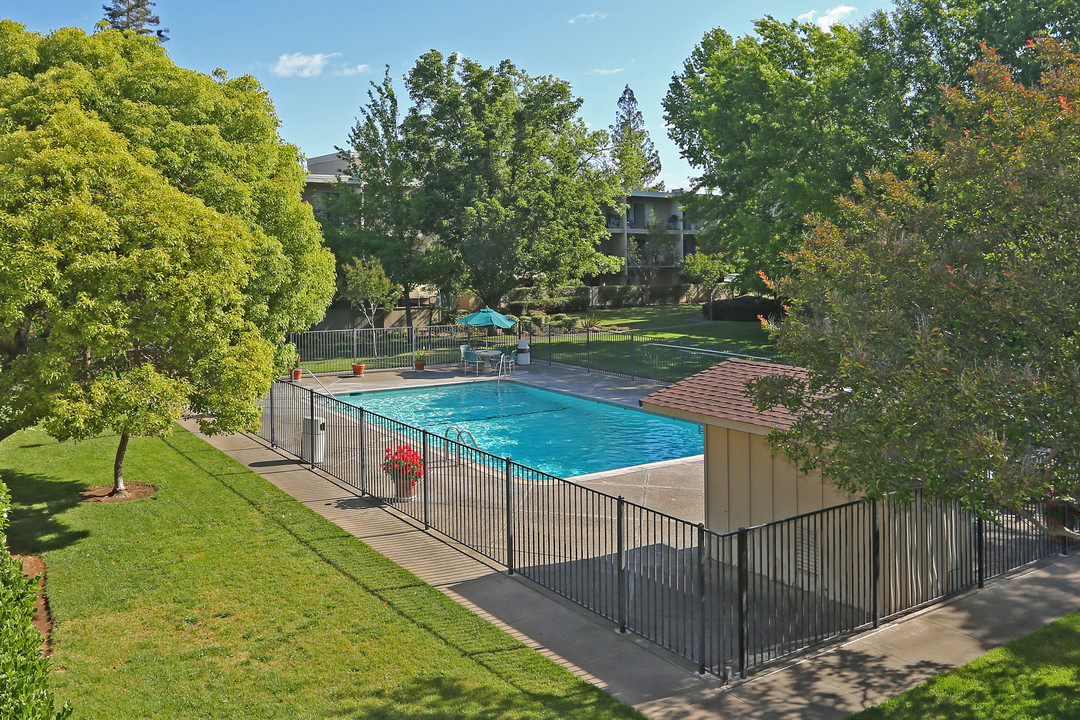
(222, 597)
(1037, 676)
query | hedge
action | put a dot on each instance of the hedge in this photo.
(24, 671)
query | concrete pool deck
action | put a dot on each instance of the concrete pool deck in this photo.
(674, 487)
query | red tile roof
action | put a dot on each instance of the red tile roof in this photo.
(719, 392)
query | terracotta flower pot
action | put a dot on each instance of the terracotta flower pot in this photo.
(404, 488)
(296, 373)
(358, 369)
(418, 364)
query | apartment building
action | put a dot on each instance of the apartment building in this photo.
(647, 211)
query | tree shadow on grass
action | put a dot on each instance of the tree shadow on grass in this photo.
(37, 506)
(440, 698)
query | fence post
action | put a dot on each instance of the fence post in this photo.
(363, 453)
(632, 356)
(702, 591)
(427, 481)
(355, 345)
(620, 539)
(743, 561)
(549, 344)
(311, 426)
(509, 517)
(588, 351)
(682, 360)
(273, 442)
(875, 555)
(980, 558)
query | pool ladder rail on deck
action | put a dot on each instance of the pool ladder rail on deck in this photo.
(463, 437)
(316, 379)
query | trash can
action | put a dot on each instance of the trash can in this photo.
(523, 356)
(313, 433)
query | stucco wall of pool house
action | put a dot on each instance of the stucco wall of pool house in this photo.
(675, 487)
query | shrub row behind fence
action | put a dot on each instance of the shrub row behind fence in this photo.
(731, 603)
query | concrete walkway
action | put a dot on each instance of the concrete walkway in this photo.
(830, 684)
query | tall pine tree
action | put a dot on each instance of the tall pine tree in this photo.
(134, 15)
(632, 150)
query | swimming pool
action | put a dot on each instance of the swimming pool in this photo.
(560, 434)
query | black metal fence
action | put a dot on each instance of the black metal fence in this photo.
(627, 354)
(731, 603)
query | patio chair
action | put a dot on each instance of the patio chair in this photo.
(471, 359)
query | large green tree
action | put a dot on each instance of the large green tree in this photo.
(383, 219)
(938, 317)
(154, 249)
(510, 179)
(779, 124)
(782, 121)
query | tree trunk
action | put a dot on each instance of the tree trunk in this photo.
(408, 309)
(709, 311)
(118, 467)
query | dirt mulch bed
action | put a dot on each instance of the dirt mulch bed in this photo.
(34, 567)
(133, 491)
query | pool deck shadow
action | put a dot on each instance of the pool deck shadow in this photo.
(833, 682)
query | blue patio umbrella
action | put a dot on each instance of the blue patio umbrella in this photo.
(486, 318)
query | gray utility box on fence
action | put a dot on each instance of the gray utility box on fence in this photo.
(523, 356)
(313, 435)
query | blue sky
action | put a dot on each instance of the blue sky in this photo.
(317, 58)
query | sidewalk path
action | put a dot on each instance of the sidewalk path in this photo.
(830, 684)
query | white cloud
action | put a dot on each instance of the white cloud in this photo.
(300, 65)
(350, 70)
(834, 16)
(603, 71)
(827, 19)
(587, 17)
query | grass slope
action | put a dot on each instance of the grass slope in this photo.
(1037, 676)
(222, 597)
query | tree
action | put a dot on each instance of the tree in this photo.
(154, 249)
(366, 287)
(134, 15)
(779, 129)
(781, 122)
(709, 271)
(383, 219)
(510, 180)
(937, 318)
(637, 162)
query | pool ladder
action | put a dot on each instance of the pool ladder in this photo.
(463, 437)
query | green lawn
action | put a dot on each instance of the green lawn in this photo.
(1037, 676)
(685, 322)
(222, 597)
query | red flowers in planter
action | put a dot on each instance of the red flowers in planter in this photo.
(404, 463)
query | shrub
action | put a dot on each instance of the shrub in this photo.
(569, 323)
(24, 672)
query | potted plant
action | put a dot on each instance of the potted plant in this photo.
(297, 371)
(406, 467)
(358, 368)
(420, 359)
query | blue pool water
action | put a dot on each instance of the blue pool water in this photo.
(560, 434)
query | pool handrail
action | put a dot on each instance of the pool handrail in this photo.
(315, 378)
